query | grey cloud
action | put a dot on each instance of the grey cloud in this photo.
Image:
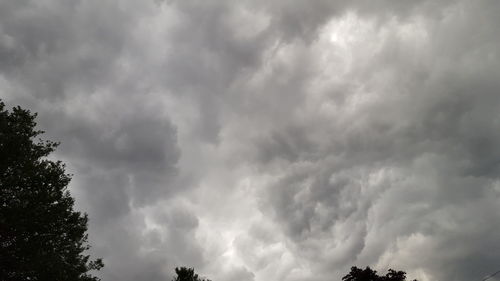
(285, 144)
(107, 195)
(133, 248)
(240, 274)
(206, 57)
(428, 122)
(376, 149)
(123, 151)
(140, 147)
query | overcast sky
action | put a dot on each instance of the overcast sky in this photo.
(270, 140)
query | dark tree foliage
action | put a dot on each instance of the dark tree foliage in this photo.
(41, 236)
(368, 274)
(187, 274)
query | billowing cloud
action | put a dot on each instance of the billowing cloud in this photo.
(270, 140)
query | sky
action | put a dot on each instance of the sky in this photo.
(270, 140)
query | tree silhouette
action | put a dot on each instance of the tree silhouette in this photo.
(41, 236)
(368, 274)
(187, 274)
(394, 275)
(358, 274)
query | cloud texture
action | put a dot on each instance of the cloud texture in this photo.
(270, 140)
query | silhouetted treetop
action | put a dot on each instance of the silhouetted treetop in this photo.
(187, 274)
(41, 236)
(368, 274)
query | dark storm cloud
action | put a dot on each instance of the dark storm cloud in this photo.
(53, 48)
(63, 59)
(141, 147)
(270, 140)
(430, 140)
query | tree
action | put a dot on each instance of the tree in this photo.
(41, 236)
(368, 274)
(187, 274)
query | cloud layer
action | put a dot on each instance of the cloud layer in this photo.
(270, 140)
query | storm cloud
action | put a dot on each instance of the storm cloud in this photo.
(270, 140)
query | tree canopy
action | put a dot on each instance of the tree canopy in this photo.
(368, 274)
(187, 274)
(356, 274)
(41, 236)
